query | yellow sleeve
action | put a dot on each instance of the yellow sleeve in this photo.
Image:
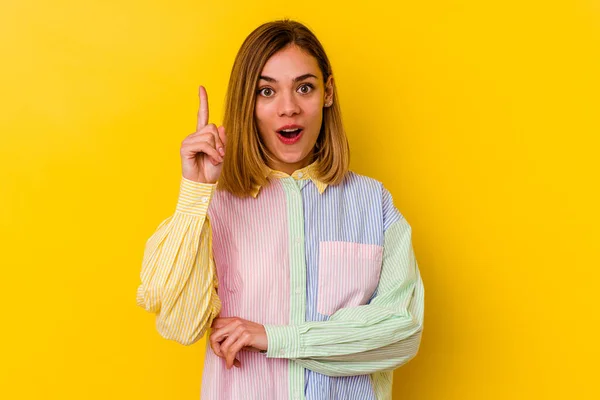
(178, 276)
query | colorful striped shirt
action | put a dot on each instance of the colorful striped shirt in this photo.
(329, 270)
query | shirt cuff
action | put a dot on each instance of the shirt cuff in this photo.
(194, 197)
(283, 341)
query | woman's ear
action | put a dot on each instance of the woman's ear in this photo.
(329, 91)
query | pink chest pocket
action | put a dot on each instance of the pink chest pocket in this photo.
(348, 274)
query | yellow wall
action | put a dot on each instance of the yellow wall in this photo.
(481, 117)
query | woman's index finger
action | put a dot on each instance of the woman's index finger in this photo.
(203, 109)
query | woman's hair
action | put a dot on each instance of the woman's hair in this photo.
(246, 155)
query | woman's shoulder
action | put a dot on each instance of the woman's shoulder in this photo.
(373, 192)
(354, 179)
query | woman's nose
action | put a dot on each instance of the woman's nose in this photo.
(288, 105)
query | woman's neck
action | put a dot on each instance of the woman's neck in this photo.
(289, 168)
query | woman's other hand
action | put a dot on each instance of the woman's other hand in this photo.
(231, 335)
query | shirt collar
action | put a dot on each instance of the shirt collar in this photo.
(308, 172)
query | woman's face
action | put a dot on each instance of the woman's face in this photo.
(291, 96)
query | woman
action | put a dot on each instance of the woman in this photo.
(304, 270)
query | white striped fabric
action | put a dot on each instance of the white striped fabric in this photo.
(328, 270)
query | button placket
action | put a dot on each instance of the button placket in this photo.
(297, 265)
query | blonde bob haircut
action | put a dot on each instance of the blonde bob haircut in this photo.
(246, 156)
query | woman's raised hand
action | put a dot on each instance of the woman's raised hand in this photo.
(203, 151)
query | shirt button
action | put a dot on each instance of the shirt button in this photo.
(204, 199)
(300, 174)
(298, 240)
(282, 351)
(298, 290)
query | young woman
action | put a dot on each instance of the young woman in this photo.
(303, 269)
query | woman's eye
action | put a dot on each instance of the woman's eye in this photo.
(308, 88)
(266, 92)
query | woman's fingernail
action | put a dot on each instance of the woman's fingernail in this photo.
(221, 151)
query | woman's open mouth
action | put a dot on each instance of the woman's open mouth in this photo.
(289, 136)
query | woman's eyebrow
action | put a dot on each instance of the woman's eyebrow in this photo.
(296, 79)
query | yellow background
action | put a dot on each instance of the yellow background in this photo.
(481, 117)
